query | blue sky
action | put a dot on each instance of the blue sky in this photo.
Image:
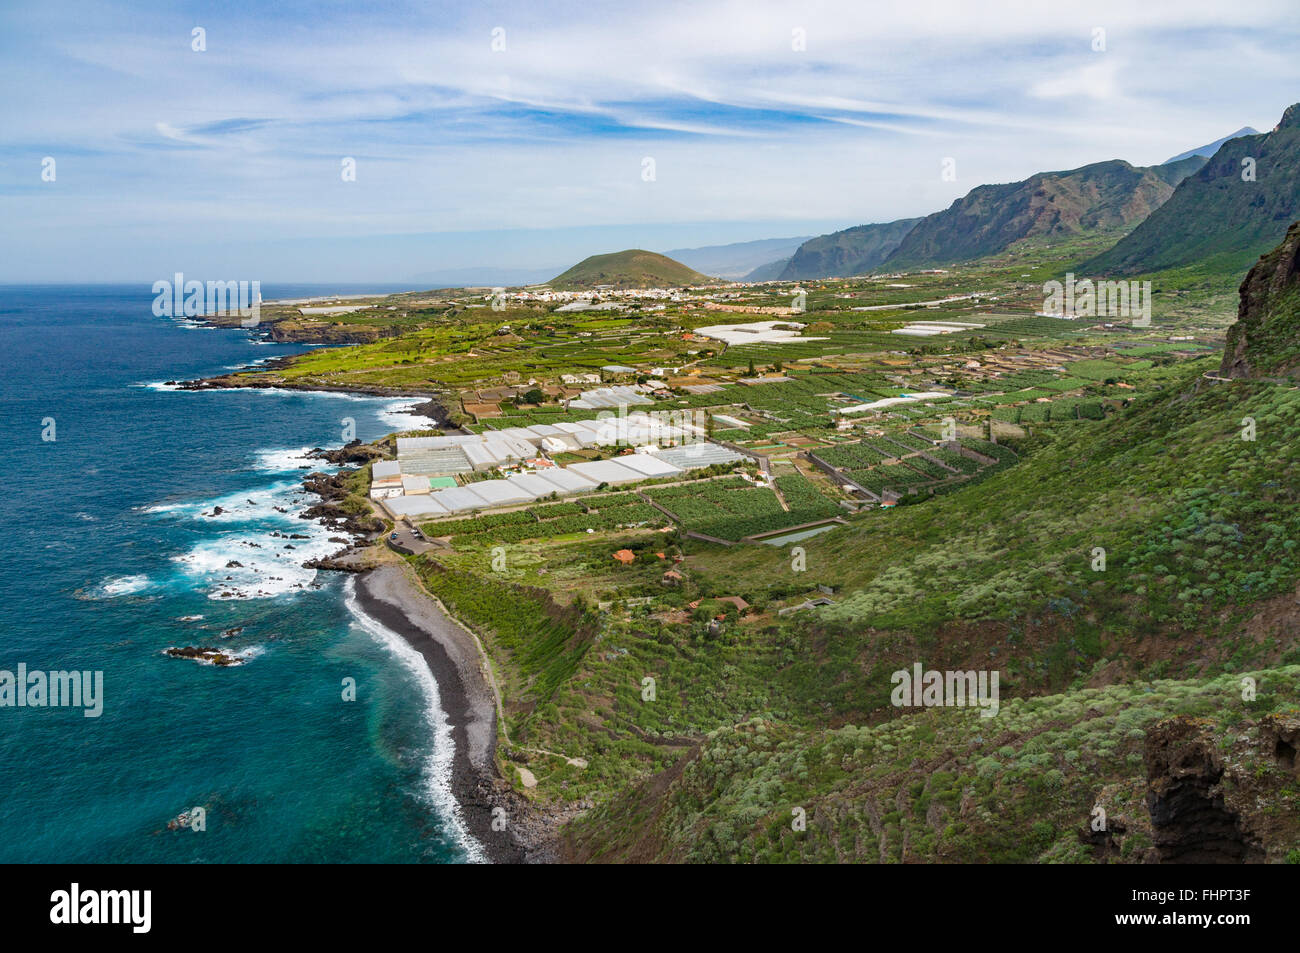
(226, 162)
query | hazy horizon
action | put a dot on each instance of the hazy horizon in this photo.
(513, 140)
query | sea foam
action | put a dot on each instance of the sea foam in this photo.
(438, 767)
(125, 585)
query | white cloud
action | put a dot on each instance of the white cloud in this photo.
(1096, 81)
(449, 135)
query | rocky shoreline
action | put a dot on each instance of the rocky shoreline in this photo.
(390, 597)
(432, 406)
(264, 376)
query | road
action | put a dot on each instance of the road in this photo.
(409, 541)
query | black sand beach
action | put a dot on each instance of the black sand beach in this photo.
(388, 596)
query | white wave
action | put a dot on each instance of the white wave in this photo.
(157, 385)
(438, 767)
(125, 585)
(249, 364)
(398, 414)
(282, 461)
(395, 412)
(244, 532)
(244, 505)
(163, 508)
(266, 568)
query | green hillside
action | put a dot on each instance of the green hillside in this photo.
(853, 251)
(634, 268)
(1124, 441)
(1215, 219)
(945, 786)
(989, 218)
(1142, 662)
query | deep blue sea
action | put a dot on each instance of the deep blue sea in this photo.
(109, 560)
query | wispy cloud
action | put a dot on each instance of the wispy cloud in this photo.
(753, 111)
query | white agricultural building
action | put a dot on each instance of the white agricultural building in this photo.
(664, 450)
(385, 480)
(925, 329)
(414, 485)
(755, 332)
(893, 401)
(609, 397)
(608, 471)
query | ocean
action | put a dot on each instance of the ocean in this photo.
(113, 555)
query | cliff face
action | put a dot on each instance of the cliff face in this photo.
(1266, 337)
(854, 251)
(1209, 804)
(991, 217)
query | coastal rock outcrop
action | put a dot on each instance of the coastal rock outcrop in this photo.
(205, 654)
(332, 488)
(345, 561)
(354, 452)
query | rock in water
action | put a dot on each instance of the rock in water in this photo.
(205, 654)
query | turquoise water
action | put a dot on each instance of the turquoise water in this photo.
(109, 559)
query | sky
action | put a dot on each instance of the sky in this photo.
(507, 138)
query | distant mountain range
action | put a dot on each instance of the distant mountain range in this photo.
(633, 268)
(1194, 208)
(1210, 148)
(737, 260)
(990, 218)
(769, 272)
(1220, 218)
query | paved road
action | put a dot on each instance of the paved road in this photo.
(409, 540)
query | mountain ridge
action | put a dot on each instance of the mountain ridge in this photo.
(737, 259)
(1218, 218)
(1210, 148)
(989, 218)
(850, 251)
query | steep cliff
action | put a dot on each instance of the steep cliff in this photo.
(1266, 337)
